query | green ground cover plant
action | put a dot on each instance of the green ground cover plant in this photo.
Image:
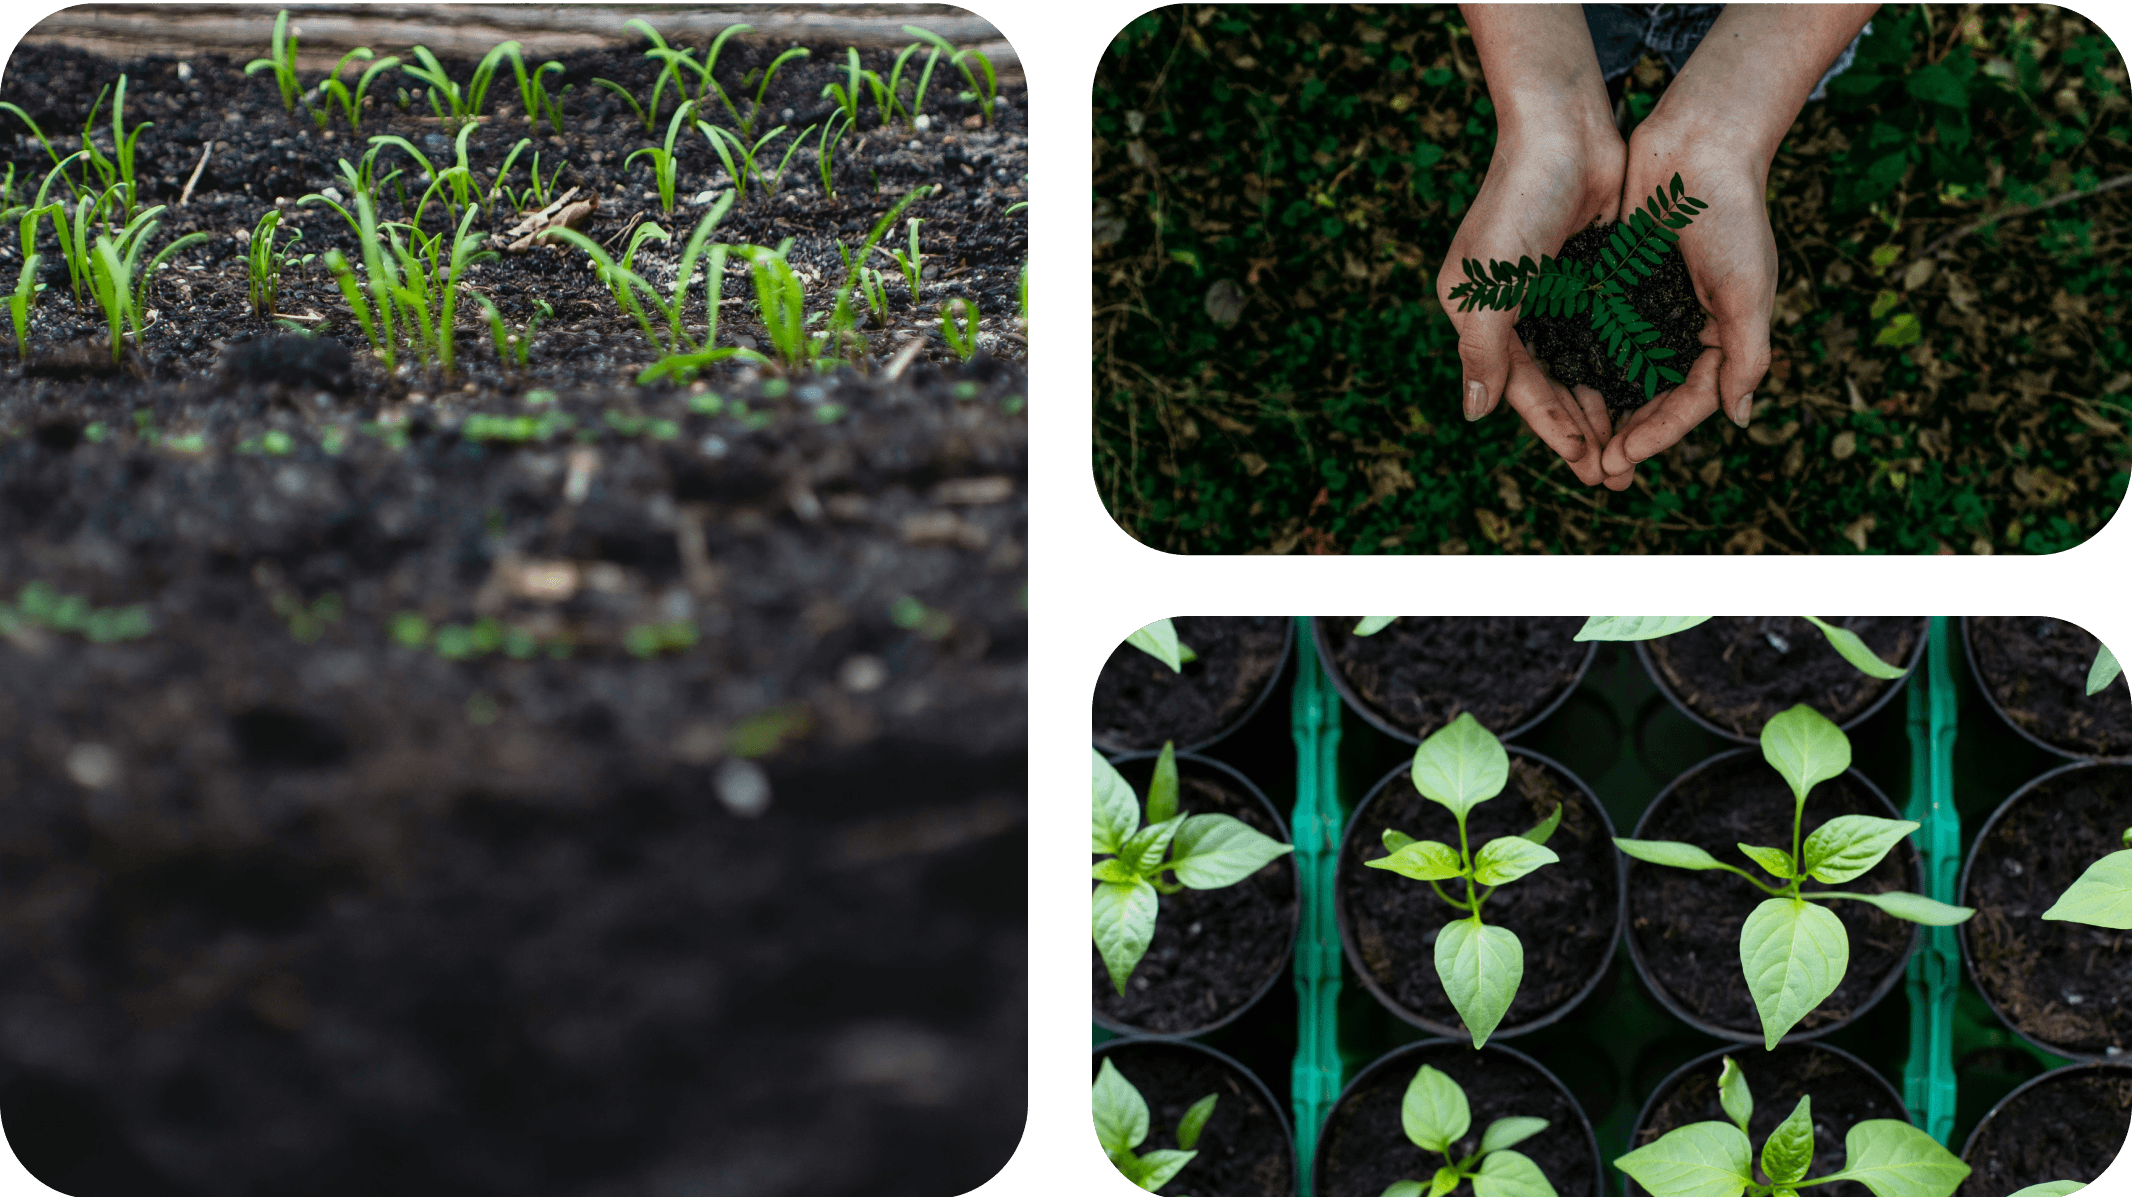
(1121, 1116)
(1275, 189)
(2102, 896)
(1435, 1115)
(1651, 627)
(39, 605)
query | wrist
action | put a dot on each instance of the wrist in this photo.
(1706, 143)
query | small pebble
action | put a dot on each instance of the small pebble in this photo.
(92, 765)
(921, 123)
(916, 144)
(713, 446)
(862, 674)
(2073, 999)
(744, 788)
(1777, 642)
(2012, 868)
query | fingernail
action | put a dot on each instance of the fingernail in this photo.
(1743, 409)
(1476, 399)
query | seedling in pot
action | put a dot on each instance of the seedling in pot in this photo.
(1715, 1159)
(1436, 1116)
(1159, 640)
(1370, 625)
(1651, 627)
(1793, 952)
(1199, 851)
(2104, 670)
(1598, 291)
(1460, 767)
(2102, 897)
(1121, 1117)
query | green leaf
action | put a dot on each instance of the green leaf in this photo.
(1915, 908)
(1373, 624)
(1847, 846)
(1902, 330)
(2101, 674)
(2102, 897)
(1846, 642)
(1509, 1132)
(1434, 1112)
(1410, 1188)
(1445, 1180)
(1395, 840)
(1774, 861)
(1806, 748)
(1422, 860)
(1480, 967)
(1124, 924)
(1732, 1093)
(1117, 812)
(1509, 858)
(1162, 790)
(1120, 1111)
(1194, 1121)
(1510, 1174)
(1671, 853)
(1157, 1167)
(1461, 766)
(1895, 1159)
(1793, 954)
(1159, 640)
(1143, 852)
(1113, 869)
(1789, 1150)
(1636, 626)
(1216, 851)
(2049, 1188)
(1546, 828)
(1702, 1159)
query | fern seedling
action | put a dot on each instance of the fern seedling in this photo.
(1597, 291)
(663, 161)
(958, 327)
(282, 61)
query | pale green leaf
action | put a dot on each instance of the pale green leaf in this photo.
(1702, 1159)
(1422, 860)
(1733, 1094)
(2104, 670)
(1461, 766)
(1159, 640)
(1807, 749)
(1480, 967)
(1915, 908)
(1793, 954)
(1852, 649)
(1110, 868)
(1195, 1121)
(2102, 897)
(1509, 858)
(1509, 1132)
(1216, 851)
(1847, 846)
(1774, 861)
(1445, 1180)
(1510, 1174)
(1895, 1159)
(1789, 1150)
(1120, 1111)
(1157, 1167)
(2049, 1188)
(1373, 624)
(1143, 852)
(1124, 922)
(1636, 627)
(1434, 1112)
(1162, 790)
(1545, 830)
(1117, 812)
(1404, 1188)
(1671, 853)
(1395, 840)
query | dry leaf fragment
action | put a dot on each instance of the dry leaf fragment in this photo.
(565, 212)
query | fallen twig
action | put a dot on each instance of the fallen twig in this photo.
(1943, 243)
(206, 148)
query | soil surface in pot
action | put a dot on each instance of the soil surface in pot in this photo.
(1419, 673)
(1739, 671)
(2065, 984)
(1564, 913)
(1365, 1148)
(1244, 1149)
(2068, 1128)
(1213, 948)
(1687, 923)
(2037, 671)
(1575, 356)
(1141, 702)
(1843, 1093)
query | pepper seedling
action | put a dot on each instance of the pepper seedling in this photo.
(1651, 627)
(1370, 625)
(1460, 767)
(1793, 952)
(2104, 670)
(1435, 1116)
(1122, 1124)
(1201, 851)
(1713, 1159)
(2102, 897)
(1159, 640)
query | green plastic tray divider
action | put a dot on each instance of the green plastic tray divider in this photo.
(1934, 973)
(1314, 1083)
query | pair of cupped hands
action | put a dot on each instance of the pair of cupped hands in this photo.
(1551, 177)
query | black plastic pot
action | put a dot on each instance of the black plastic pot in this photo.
(1185, 762)
(1674, 1006)
(1976, 674)
(1373, 1097)
(1273, 681)
(1658, 678)
(1349, 845)
(2094, 1143)
(2068, 867)
(1768, 1112)
(1369, 714)
(1244, 1083)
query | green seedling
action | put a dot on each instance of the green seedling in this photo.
(1889, 1157)
(534, 98)
(846, 94)
(1436, 1116)
(516, 430)
(57, 161)
(513, 348)
(777, 177)
(663, 161)
(118, 169)
(1021, 293)
(378, 271)
(895, 80)
(2102, 897)
(332, 90)
(282, 61)
(747, 127)
(628, 286)
(117, 281)
(841, 319)
(271, 443)
(1121, 1117)
(453, 104)
(958, 326)
(911, 264)
(26, 284)
(432, 268)
(307, 624)
(1370, 625)
(647, 640)
(1650, 627)
(38, 605)
(644, 118)
(2049, 1188)
(1199, 851)
(2104, 670)
(981, 94)
(1598, 291)
(782, 305)
(1460, 767)
(739, 159)
(1794, 953)
(825, 149)
(875, 294)
(267, 261)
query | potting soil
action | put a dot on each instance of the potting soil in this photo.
(1419, 673)
(1739, 672)
(1241, 1149)
(2037, 672)
(1141, 702)
(2068, 1128)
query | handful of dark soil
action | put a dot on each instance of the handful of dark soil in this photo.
(1575, 356)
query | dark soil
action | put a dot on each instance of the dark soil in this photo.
(2036, 670)
(2068, 1127)
(1844, 1092)
(1141, 702)
(1365, 1148)
(1565, 914)
(1419, 673)
(1738, 672)
(1575, 356)
(2065, 984)
(1687, 923)
(1244, 1149)
(1214, 949)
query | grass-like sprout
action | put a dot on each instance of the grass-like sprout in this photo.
(841, 320)
(430, 278)
(266, 261)
(663, 161)
(1021, 293)
(895, 79)
(457, 105)
(377, 269)
(708, 83)
(630, 288)
(281, 61)
(782, 304)
(738, 156)
(875, 295)
(26, 284)
(747, 127)
(496, 190)
(117, 280)
(958, 326)
(982, 94)
(539, 194)
(75, 243)
(117, 169)
(910, 263)
(777, 177)
(332, 90)
(58, 163)
(825, 149)
(459, 177)
(644, 118)
(513, 348)
(534, 98)
(846, 94)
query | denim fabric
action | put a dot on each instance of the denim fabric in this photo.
(1623, 33)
